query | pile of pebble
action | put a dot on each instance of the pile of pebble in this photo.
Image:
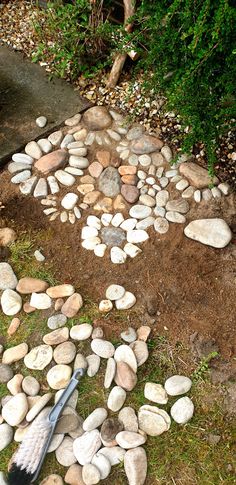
(123, 300)
(89, 448)
(125, 166)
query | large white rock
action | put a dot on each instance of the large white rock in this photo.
(182, 410)
(81, 332)
(212, 232)
(11, 302)
(15, 409)
(8, 279)
(177, 385)
(58, 376)
(86, 446)
(118, 256)
(155, 392)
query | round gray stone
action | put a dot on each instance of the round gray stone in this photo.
(110, 182)
(112, 236)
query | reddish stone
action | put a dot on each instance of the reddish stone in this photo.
(95, 169)
(28, 308)
(103, 157)
(129, 179)
(146, 144)
(130, 193)
(72, 305)
(28, 285)
(115, 162)
(15, 323)
(127, 170)
(51, 161)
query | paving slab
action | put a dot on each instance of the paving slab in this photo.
(25, 94)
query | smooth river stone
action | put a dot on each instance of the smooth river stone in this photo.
(97, 118)
(155, 393)
(135, 464)
(109, 430)
(6, 373)
(129, 439)
(8, 279)
(40, 301)
(58, 376)
(129, 419)
(86, 446)
(33, 150)
(177, 385)
(110, 373)
(212, 232)
(196, 175)
(127, 301)
(64, 453)
(93, 364)
(52, 161)
(81, 332)
(124, 353)
(6, 436)
(65, 178)
(102, 464)
(15, 410)
(56, 337)
(116, 399)
(11, 302)
(60, 291)
(39, 357)
(103, 348)
(69, 201)
(21, 177)
(22, 158)
(140, 350)
(115, 454)
(41, 189)
(140, 211)
(30, 386)
(182, 410)
(15, 167)
(64, 353)
(28, 285)
(146, 144)
(137, 236)
(13, 354)
(161, 225)
(125, 377)
(72, 305)
(95, 419)
(39, 405)
(109, 182)
(56, 321)
(176, 217)
(153, 421)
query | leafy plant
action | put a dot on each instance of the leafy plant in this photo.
(74, 36)
(203, 367)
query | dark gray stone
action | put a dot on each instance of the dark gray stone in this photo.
(110, 182)
(113, 236)
(6, 373)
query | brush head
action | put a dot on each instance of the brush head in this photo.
(27, 457)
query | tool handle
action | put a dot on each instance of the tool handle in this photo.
(55, 414)
(59, 406)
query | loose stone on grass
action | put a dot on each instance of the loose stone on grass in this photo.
(177, 385)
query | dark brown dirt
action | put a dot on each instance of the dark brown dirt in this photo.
(191, 285)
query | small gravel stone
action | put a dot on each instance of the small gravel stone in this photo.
(129, 335)
(39, 256)
(140, 211)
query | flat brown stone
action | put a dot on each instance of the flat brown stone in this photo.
(51, 161)
(196, 175)
(130, 179)
(127, 170)
(97, 118)
(146, 144)
(29, 285)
